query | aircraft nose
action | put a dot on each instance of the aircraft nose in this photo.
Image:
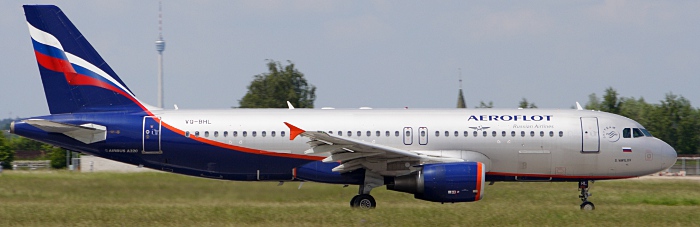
(668, 155)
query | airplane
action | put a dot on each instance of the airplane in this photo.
(438, 155)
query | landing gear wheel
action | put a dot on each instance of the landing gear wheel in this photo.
(583, 187)
(587, 206)
(352, 201)
(364, 202)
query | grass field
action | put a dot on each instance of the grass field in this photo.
(160, 199)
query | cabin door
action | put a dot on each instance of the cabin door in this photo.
(151, 135)
(590, 138)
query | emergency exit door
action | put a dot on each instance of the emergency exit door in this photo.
(407, 135)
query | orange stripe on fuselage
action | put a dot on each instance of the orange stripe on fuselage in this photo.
(479, 173)
(243, 149)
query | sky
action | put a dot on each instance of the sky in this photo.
(380, 54)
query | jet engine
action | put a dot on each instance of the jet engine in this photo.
(443, 182)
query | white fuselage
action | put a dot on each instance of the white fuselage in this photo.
(522, 142)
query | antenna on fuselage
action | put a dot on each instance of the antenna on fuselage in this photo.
(578, 106)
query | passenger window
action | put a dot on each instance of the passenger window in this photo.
(396, 133)
(476, 134)
(388, 134)
(206, 133)
(541, 133)
(340, 133)
(282, 133)
(272, 133)
(466, 133)
(359, 133)
(503, 133)
(330, 132)
(245, 133)
(561, 133)
(216, 133)
(263, 134)
(626, 133)
(512, 133)
(196, 133)
(532, 133)
(225, 133)
(522, 133)
(378, 133)
(437, 133)
(485, 134)
(551, 134)
(456, 133)
(235, 133)
(494, 133)
(255, 133)
(187, 134)
(349, 133)
(637, 133)
(447, 134)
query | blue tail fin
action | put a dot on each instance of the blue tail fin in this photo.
(75, 77)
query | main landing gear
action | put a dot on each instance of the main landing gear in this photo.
(363, 200)
(583, 187)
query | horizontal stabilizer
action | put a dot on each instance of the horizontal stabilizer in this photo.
(86, 133)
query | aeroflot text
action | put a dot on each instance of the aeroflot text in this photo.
(510, 118)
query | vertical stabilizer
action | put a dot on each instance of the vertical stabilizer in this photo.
(75, 77)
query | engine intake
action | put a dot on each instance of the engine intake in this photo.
(443, 182)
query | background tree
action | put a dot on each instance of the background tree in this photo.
(19, 143)
(7, 155)
(482, 104)
(676, 122)
(611, 103)
(637, 109)
(524, 104)
(593, 102)
(57, 156)
(281, 84)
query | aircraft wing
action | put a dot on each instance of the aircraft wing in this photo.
(355, 154)
(86, 133)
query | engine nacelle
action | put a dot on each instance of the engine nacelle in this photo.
(443, 182)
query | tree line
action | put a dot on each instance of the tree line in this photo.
(673, 120)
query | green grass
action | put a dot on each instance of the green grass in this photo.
(160, 199)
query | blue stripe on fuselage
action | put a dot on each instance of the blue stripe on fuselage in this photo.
(181, 154)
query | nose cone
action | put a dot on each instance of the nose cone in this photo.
(668, 155)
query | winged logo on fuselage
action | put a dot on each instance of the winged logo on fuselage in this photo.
(479, 128)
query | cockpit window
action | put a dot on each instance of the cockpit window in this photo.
(637, 133)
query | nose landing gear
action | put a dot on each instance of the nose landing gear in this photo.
(583, 187)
